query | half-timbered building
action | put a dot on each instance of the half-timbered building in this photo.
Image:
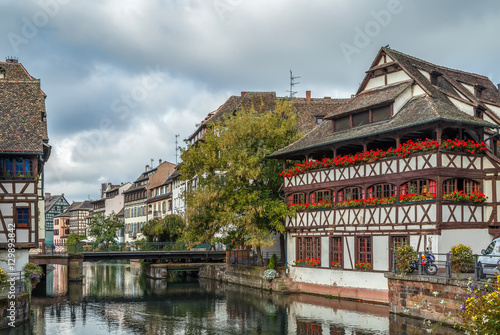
(410, 158)
(24, 149)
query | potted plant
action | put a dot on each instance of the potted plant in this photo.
(461, 259)
(405, 256)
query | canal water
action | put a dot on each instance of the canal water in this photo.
(119, 299)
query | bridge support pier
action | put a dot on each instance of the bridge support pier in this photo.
(75, 269)
(157, 271)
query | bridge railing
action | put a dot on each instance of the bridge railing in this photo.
(65, 248)
(16, 284)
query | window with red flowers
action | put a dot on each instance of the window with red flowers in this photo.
(308, 247)
(321, 195)
(364, 250)
(419, 186)
(350, 193)
(381, 191)
(336, 254)
(468, 186)
(296, 198)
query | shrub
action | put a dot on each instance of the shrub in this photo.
(3, 276)
(461, 258)
(481, 310)
(269, 274)
(405, 256)
(33, 273)
(272, 262)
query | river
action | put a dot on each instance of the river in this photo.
(119, 299)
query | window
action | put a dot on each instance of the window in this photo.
(342, 123)
(296, 198)
(322, 195)
(478, 112)
(319, 119)
(308, 247)
(381, 191)
(360, 119)
(22, 217)
(468, 186)
(336, 259)
(419, 186)
(350, 193)
(381, 113)
(364, 250)
(56, 232)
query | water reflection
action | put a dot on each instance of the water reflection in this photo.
(118, 299)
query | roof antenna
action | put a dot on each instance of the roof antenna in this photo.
(176, 136)
(152, 160)
(292, 84)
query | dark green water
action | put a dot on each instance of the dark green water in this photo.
(118, 299)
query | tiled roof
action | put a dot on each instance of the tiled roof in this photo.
(81, 206)
(431, 107)
(50, 201)
(22, 111)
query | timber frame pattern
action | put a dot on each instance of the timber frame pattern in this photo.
(24, 150)
(426, 101)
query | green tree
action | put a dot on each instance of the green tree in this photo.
(104, 228)
(168, 229)
(237, 196)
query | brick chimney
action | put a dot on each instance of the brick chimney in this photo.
(47, 195)
(308, 95)
(243, 94)
(159, 162)
(147, 168)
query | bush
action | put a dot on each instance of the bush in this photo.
(33, 273)
(481, 311)
(405, 256)
(461, 258)
(269, 274)
(3, 276)
(272, 262)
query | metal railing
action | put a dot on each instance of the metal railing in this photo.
(247, 257)
(16, 284)
(474, 270)
(66, 248)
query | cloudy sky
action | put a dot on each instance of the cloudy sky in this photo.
(123, 77)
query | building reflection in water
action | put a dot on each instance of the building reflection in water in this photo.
(119, 299)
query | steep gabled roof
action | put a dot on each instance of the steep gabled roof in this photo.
(51, 201)
(22, 111)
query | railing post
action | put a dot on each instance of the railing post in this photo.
(393, 262)
(448, 269)
(476, 268)
(420, 263)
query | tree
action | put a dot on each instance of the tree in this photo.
(104, 228)
(237, 197)
(168, 229)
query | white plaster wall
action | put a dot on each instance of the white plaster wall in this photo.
(340, 278)
(426, 74)
(396, 77)
(375, 82)
(21, 257)
(115, 204)
(381, 253)
(469, 88)
(353, 321)
(494, 109)
(466, 108)
(477, 239)
(402, 99)
(417, 90)
(290, 249)
(41, 219)
(349, 245)
(325, 251)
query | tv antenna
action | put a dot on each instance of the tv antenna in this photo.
(152, 160)
(176, 136)
(292, 84)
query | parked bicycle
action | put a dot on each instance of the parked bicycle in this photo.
(427, 262)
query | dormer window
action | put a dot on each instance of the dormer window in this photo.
(478, 112)
(478, 89)
(434, 77)
(363, 117)
(319, 119)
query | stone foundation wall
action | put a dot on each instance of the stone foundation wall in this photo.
(432, 298)
(19, 314)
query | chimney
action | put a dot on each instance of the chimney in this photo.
(159, 161)
(308, 95)
(498, 86)
(103, 189)
(243, 94)
(328, 98)
(147, 168)
(47, 195)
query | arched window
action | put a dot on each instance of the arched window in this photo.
(468, 186)
(296, 198)
(350, 193)
(419, 186)
(385, 190)
(321, 195)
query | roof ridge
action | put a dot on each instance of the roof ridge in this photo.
(429, 63)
